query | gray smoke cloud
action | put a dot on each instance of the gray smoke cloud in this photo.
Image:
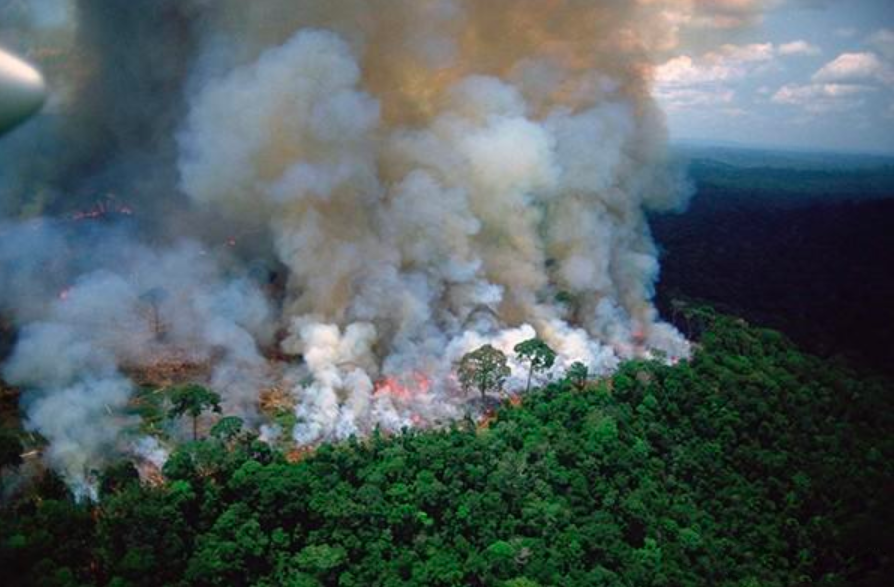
(423, 177)
(133, 308)
(114, 106)
(445, 209)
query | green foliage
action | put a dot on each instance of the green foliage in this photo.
(117, 478)
(578, 375)
(46, 542)
(149, 406)
(191, 400)
(753, 464)
(227, 428)
(484, 369)
(838, 252)
(566, 298)
(538, 356)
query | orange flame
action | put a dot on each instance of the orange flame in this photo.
(102, 209)
(404, 388)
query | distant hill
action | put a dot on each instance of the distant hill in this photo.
(784, 178)
(745, 156)
(804, 250)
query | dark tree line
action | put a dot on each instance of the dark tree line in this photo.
(820, 270)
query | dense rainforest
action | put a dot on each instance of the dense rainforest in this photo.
(799, 243)
(752, 465)
(760, 463)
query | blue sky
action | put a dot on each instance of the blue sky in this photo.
(807, 74)
(816, 74)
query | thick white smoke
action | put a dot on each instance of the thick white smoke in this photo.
(135, 308)
(423, 177)
(444, 233)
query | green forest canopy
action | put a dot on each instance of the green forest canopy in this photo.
(752, 465)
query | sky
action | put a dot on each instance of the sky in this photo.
(802, 74)
(808, 74)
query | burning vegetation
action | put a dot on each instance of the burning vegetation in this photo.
(333, 213)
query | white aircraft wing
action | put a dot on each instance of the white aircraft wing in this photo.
(22, 91)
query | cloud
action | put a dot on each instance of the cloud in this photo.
(822, 98)
(844, 83)
(753, 53)
(684, 81)
(728, 14)
(811, 4)
(684, 98)
(730, 62)
(845, 32)
(684, 20)
(883, 42)
(855, 67)
(684, 71)
(799, 48)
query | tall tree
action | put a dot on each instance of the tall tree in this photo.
(154, 299)
(191, 400)
(538, 355)
(227, 428)
(10, 450)
(578, 374)
(485, 369)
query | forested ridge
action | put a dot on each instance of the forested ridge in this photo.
(752, 465)
(817, 266)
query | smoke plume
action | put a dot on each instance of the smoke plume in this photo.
(364, 190)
